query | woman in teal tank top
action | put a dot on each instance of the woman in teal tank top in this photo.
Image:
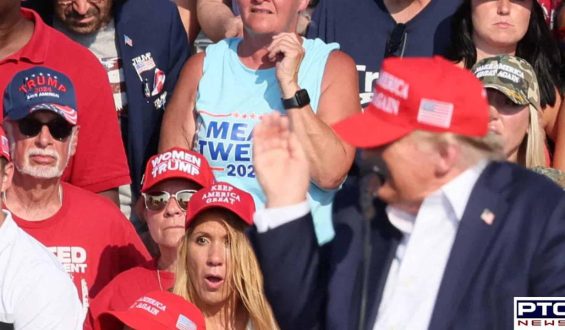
(223, 93)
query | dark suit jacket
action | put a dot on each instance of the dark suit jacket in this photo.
(333, 287)
(152, 27)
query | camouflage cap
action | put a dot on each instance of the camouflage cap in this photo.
(510, 75)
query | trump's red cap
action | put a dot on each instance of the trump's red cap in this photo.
(429, 94)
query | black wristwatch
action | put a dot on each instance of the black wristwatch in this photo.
(299, 100)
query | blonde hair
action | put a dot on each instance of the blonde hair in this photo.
(531, 152)
(242, 270)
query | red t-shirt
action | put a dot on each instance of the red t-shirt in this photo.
(91, 238)
(124, 290)
(100, 161)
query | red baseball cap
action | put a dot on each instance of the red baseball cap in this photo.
(177, 163)
(429, 94)
(221, 195)
(160, 310)
(4, 145)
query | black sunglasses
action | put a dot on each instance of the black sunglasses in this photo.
(157, 200)
(59, 128)
(396, 41)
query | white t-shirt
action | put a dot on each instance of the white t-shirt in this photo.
(35, 291)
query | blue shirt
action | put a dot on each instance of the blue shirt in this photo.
(231, 100)
(363, 27)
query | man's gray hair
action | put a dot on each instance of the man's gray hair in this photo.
(8, 128)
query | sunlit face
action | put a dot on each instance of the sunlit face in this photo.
(166, 226)
(83, 16)
(41, 156)
(411, 169)
(508, 120)
(208, 259)
(500, 24)
(270, 16)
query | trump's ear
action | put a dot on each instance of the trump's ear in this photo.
(449, 154)
(303, 5)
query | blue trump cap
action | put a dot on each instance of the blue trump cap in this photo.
(40, 88)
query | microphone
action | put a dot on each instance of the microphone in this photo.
(373, 174)
(380, 169)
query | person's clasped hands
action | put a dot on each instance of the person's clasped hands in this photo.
(287, 51)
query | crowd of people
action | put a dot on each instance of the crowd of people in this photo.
(322, 164)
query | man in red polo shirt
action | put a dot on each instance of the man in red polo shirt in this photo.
(99, 164)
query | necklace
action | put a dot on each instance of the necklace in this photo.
(159, 279)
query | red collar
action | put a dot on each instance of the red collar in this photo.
(35, 51)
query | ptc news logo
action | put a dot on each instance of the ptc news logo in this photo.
(539, 312)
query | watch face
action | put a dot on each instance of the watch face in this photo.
(299, 100)
(302, 97)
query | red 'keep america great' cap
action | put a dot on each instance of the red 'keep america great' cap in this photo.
(160, 310)
(429, 94)
(177, 163)
(224, 196)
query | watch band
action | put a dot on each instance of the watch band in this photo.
(299, 100)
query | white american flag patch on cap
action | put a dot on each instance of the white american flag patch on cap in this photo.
(184, 323)
(435, 113)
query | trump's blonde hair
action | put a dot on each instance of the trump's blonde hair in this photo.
(473, 149)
